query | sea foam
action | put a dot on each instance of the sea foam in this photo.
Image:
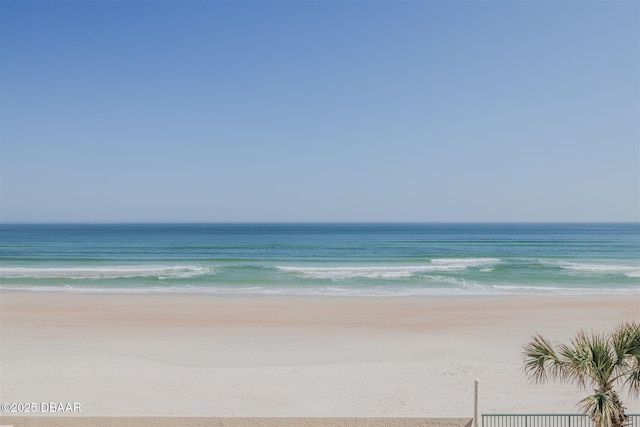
(388, 271)
(105, 272)
(627, 270)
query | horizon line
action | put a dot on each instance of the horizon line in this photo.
(300, 222)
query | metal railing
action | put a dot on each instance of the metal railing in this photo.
(546, 420)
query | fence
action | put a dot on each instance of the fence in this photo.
(546, 420)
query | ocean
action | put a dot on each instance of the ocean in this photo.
(322, 259)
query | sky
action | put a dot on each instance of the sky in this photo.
(319, 111)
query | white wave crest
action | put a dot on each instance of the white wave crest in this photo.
(105, 272)
(465, 262)
(627, 270)
(388, 272)
(337, 273)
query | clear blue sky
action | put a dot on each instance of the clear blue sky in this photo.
(171, 111)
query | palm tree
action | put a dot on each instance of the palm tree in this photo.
(594, 360)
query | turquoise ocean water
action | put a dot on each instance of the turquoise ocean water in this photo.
(323, 259)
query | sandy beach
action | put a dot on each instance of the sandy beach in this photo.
(190, 355)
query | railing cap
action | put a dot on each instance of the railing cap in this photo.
(545, 415)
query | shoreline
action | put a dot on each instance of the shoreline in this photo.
(216, 293)
(204, 355)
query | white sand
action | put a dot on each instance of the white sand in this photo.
(158, 355)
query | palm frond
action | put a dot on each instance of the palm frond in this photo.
(604, 408)
(588, 360)
(632, 380)
(541, 360)
(578, 360)
(604, 359)
(625, 340)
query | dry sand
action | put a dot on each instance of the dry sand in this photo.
(187, 355)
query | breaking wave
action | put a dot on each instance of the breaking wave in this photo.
(599, 269)
(389, 272)
(160, 272)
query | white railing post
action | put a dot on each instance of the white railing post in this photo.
(475, 403)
